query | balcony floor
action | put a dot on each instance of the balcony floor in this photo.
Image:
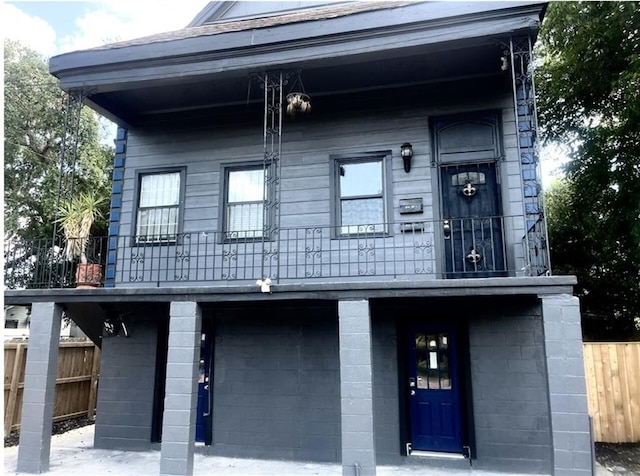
(353, 289)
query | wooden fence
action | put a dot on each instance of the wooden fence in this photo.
(613, 390)
(76, 383)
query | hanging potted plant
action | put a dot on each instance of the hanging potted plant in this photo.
(76, 218)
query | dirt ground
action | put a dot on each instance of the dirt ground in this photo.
(58, 428)
(622, 459)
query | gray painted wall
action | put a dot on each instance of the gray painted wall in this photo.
(125, 393)
(378, 122)
(386, 410)
(509, 384)
(277, 384)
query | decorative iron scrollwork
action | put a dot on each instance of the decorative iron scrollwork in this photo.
(270, 254)
(230, 255)
(137, 257)
(474, 257)
(366, 249)
(183, 256)
(313, 253)
(423, 247)
(469, 190)
(367, 272)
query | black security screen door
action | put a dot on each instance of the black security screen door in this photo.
(472, 223)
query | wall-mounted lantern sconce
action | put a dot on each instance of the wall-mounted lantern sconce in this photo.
(406, 152)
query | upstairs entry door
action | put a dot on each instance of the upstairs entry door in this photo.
(472, 225)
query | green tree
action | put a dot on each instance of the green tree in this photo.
(34, 124)
(589, 100)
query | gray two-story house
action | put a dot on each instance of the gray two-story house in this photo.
(326, 242)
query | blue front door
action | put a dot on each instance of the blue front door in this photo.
(205, 400)
(434, 390)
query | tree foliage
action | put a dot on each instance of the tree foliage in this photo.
(589, 100)
(34, 126)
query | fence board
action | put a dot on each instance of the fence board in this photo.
(76, 383)
(613, 390)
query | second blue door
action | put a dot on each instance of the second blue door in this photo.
(434, 390)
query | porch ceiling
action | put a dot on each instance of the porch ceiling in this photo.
(320, 78)
(210, 66)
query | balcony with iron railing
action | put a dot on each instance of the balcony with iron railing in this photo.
(463, 248)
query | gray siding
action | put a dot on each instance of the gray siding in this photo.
(125, 393)
(343, 127)
(509, 383)
(277, 384)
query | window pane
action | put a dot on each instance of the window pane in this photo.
(159, 190)
(366, 211)
(157, 222)
(360, 178)
(245, 186)
(245, 217)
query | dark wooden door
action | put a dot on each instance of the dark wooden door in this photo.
(472, 221)
(434, 389)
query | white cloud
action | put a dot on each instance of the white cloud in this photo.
(116, 20)
(29, 30)
(108, 21)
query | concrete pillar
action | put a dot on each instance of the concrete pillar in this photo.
(39, 388)
(567, 388)
(179, 421)
(356, 389)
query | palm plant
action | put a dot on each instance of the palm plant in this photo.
(76, 218)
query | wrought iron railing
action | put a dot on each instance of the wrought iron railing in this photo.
(537, 249)
(475, 247)
(41, 264)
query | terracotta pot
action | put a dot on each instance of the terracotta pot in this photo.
(88, 275)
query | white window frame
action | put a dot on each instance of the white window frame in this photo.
(265, 218)
(381, 228)
(170, 235)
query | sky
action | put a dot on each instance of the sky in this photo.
(55, 27)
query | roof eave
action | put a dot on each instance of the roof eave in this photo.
(282, 45)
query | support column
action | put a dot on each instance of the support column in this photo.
(567, 389)
(39, 388)
(356, 389)
(179, 421)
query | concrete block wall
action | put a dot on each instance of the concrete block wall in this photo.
(179, 421)
(125, 394)
(567, 389)
(509, 385)
(277, 384)
(38, 398)
(386, 410)
(356, 389)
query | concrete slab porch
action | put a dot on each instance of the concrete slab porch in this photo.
(72, 453)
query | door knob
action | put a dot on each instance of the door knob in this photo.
(446, 228)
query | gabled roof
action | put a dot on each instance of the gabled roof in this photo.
(224, 11)
(233, 25)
